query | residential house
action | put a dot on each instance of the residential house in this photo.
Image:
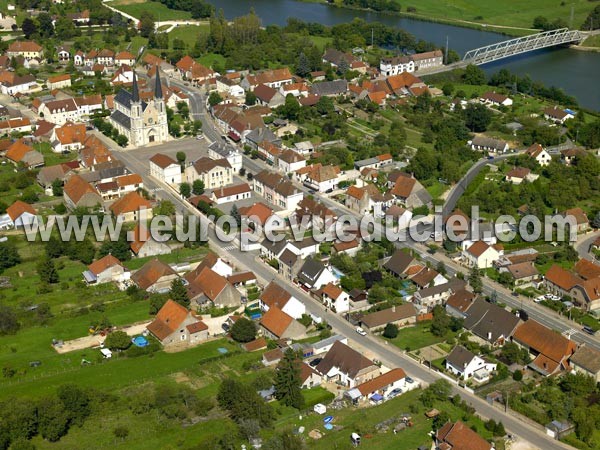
(568, 156)
(580, 217)
(131, 207)
(487, 144)
(289, 161)
(209, 287)
(67, 138)
(154, 276)
(523, 274)
(268, 96)
(12, 84)
(124, 58)
(314, 274)
(272, 78)
(329, 88)
(490, 323)
(408, 190)
(459, 302)
(26, 49)
(175, 324)
(350, 248)
(230, 194)
(426, 299)
(193, 71)
(380, 388)
(322, 178)
(79, 193)
(427, 60)
(18, 215)
(495, 99)
(335, 298)
(480, 254)
(122, 76)
(399, 315)
(586, 360)
(289, 264)
(58, 81)
(427, 277)
(551, 350)
(17, 125)
(304, 248)
(368, 200)
(165, 169)
(213, 262)
(539, 153)
(458, 436)
(144, 245)
(275, 324)
(214, 173)
(376, 162)
(396, 65)
(222, 150)
(276, 295)
(21, 153)
(314, 214)
(557, 115)
(347, 366)
(256, 214)
(465, 364)
(47, 175)
(309, 377)
(277, 190)
(304, 147)
(519, 174)
(398, 263)
(106, 270)
(261, 134)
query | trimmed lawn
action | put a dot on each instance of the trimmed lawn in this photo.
(416, 337)
(210, 59)
(188, 34)
(160, 11)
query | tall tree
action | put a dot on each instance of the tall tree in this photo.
(235, 213)
(147, 23)
(243, 330)
(303, 65)
(9, 255)
(178, 293)
(53, 419)
(46, 269)
(288, 384)
(29, 27)
(198, 187)
(185, 189)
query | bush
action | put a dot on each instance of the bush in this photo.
(390, 331)
(243, 330)
(517, 375)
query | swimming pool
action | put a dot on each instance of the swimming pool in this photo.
(336, 272)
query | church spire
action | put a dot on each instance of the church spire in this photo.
(135, 93)
(157, 86)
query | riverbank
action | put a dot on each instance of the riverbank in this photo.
(434, 11)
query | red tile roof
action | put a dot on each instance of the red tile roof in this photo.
(544, 340)
(99, 266)
(129, 203)
(168, 319)
(461, 437)
(276, 321)
(19, 207)
(381, 381)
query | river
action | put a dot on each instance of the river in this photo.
(577, 72)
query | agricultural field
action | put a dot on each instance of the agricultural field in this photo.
(160, 11)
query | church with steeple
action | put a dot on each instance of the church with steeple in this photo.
(140, 121)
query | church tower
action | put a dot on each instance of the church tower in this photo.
(136, 113)
(159, 105)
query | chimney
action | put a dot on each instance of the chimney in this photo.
(489, 336)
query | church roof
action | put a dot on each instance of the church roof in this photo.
(121, 119)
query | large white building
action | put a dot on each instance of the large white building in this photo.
(142, 123)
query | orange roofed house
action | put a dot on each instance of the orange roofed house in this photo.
(551, 351)
(175, 324)
(21, 153)
(208, 287)
(105, 270)
(380, 388)
(17, 215)
(458, 436)
(276, 324)
(128, 208)
(144, 245)
(78, 192)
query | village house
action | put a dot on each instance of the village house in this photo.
(376, 162)
(256, 214)
(519, 174)
(154, 276)
(524, 274)
(165, 169)
(368, 200)
(268, 96)
(539, 153)
(407, 190)
(495, 99)
(426, 299)
(272, 78)
(380, 388)
(12, 84)
(335, 298)
(231, 193)
(480, 254)
(275, 324)
(586, 360)
(212, 289)
(289, 161)
(350, 248)
(322, 178)
(309, 378)
(396, 65)
(214, 173)
(398, 263)
(276, 295)
(346, 366)
(465, 364)
(69, 137)
(556, 115)
(175, 324)
(16, 125)
(458, 304)
(569, 155)
(459, 436)
(425, 276)
(58, 81)
(131, 207)
(277, 190)
(124, 58)
(580, 217)
(314, 214)
(487, 144)
(329, 88)
(144, 245)
(560, 281)
(399, 315)
(18, 215)
(21, 153)
(27, 49)
(106, 270)
(222, 150)
(123, 76)
(490, 323)
(551, 351)
(313, 274)
(78, 192)
(289, 264)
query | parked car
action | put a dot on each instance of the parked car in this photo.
(315, 362)
(409, 380)
(589, 330)
(539, 299)
(360, 331)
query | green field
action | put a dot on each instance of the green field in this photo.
(504, 13)
(592, 41)
(160, 11)
(188, 34)
(416, 337)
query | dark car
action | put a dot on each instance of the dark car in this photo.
(589, 330)
(515, 294)
(225, 327)
(315, 362)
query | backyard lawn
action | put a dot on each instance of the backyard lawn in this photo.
(416, 337)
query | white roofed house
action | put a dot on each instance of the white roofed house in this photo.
(165, 169)
(106, 270)
(465, 364)
(222, 150)
(495, 99)
(539, 153)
